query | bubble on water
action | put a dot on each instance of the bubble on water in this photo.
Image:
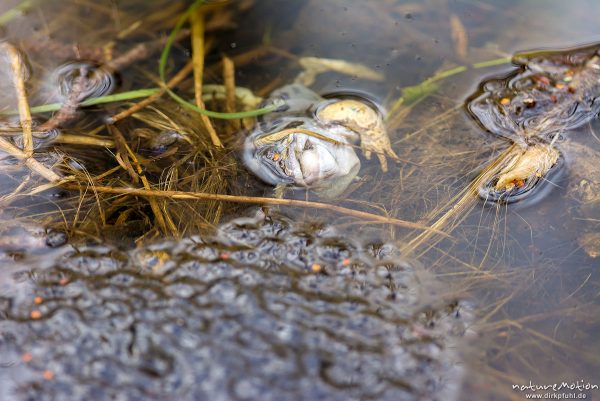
(41, 139)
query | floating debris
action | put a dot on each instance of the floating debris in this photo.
(550, 94)
(590, 242)
(314, 66)
(530, 165)
(522, 172)
(459, 36)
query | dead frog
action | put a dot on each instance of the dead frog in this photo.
(309, 142)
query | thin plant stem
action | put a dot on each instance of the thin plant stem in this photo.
(162, 74)
(428, 86)
(372, 218)
(14, 12)
(118, 97)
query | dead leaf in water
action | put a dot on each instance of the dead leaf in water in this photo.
(314, 66)
(459, 36)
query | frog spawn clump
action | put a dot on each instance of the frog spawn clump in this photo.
(266, 309)
(550, 94)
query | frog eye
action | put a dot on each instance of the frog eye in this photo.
(275, 157)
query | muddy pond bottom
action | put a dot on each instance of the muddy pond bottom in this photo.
(225, 318)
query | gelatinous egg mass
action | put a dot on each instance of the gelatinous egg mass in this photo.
(549, 93)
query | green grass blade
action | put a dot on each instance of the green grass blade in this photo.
(223, 116)
(164, 57)
(14, 12)
(118, 97)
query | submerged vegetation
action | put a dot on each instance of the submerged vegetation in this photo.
(127, 132)
(167, 186)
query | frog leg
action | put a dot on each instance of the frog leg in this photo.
(376, 140)
(366, 122)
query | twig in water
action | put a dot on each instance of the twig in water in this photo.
(23, 105)
(229, 80)
(374, 218)
(459, 36)
(140, 52)
(72, 139)
(69, 107)
(29, 161)
(122, 155)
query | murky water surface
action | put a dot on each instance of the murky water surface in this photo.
(105, 295)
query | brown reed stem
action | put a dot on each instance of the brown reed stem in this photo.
(373, 218)
(198, 51)
(229, 80)
(23, 105)
(29, 161)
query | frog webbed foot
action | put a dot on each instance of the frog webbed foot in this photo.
(377, 141)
